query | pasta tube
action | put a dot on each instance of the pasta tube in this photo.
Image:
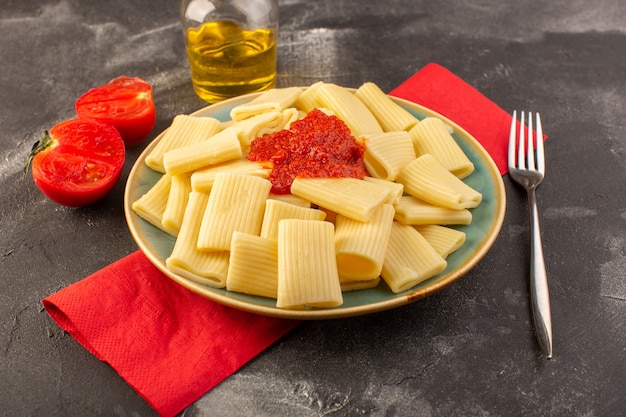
(288, 116)
(276, 210)
(307, 271)
(276, 99)
(307, 101)
(291, 199)
(359, 285)
(387, 153)
(348, 108)
(431, 136)
(392, 190)
(184, 131)
(208, 268)
(410, 210)
(425, 178)
(264, 124)
(172, 217)
(409, 259)
(331, 216)
(236, 203)
(360, 246)
(151, 205)
(350, 197)
(223, 146)
(248, 129)
(202, 179)
(253, 267)
(390, 115)
(444, 240)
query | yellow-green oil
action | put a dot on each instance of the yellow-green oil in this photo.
(228, 61)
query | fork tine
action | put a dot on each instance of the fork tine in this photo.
(521, 159)
(530, 153)
(541, 165)
(512, 140)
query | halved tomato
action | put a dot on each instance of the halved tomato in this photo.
(126, 103)
(78, 161)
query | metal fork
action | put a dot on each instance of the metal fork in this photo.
(529, 172)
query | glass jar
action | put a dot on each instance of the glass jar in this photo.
(231, 46)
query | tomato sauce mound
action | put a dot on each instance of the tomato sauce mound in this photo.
(316, 146)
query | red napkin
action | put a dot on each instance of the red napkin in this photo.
(172, 345)
(440, 90)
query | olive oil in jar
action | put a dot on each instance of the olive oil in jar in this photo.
(231, 46)
(227, 60)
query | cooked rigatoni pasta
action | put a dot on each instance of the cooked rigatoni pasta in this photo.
(291, 199)
(431, 136)
(392, 190)
(444, 240)
(390, 115)
(331, 216)
(387, 153)
(411, 210)
(151, 205)
(348, 108)
(262, 124)
(184, 130)
(209, 268)
(307, 101)
(409, 259)
(253, 265)
(360, 246)
(249, 129)
(236, 203)
(330, 234)
(221, 147)
(283, 121)
(276, 210)
(307, 271)
(359, 285)
(202, 180)
(276, 99)
(289, 116)
(425, 178)
(350, 197)
(172, 218)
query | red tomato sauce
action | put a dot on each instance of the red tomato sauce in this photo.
(316, 146)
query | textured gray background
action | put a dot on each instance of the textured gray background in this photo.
(467, 350)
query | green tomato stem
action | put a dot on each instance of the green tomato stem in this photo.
(44, 142)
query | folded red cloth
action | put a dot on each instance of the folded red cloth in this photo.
(172, 345)
(438, 89)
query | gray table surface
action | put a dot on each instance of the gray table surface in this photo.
(468, 349)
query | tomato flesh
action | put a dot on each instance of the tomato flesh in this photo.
(127, 103)
(80, 162)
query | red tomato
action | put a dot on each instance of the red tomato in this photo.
(125, 103)
(78, 162)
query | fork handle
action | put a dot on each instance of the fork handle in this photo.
(539, 294)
